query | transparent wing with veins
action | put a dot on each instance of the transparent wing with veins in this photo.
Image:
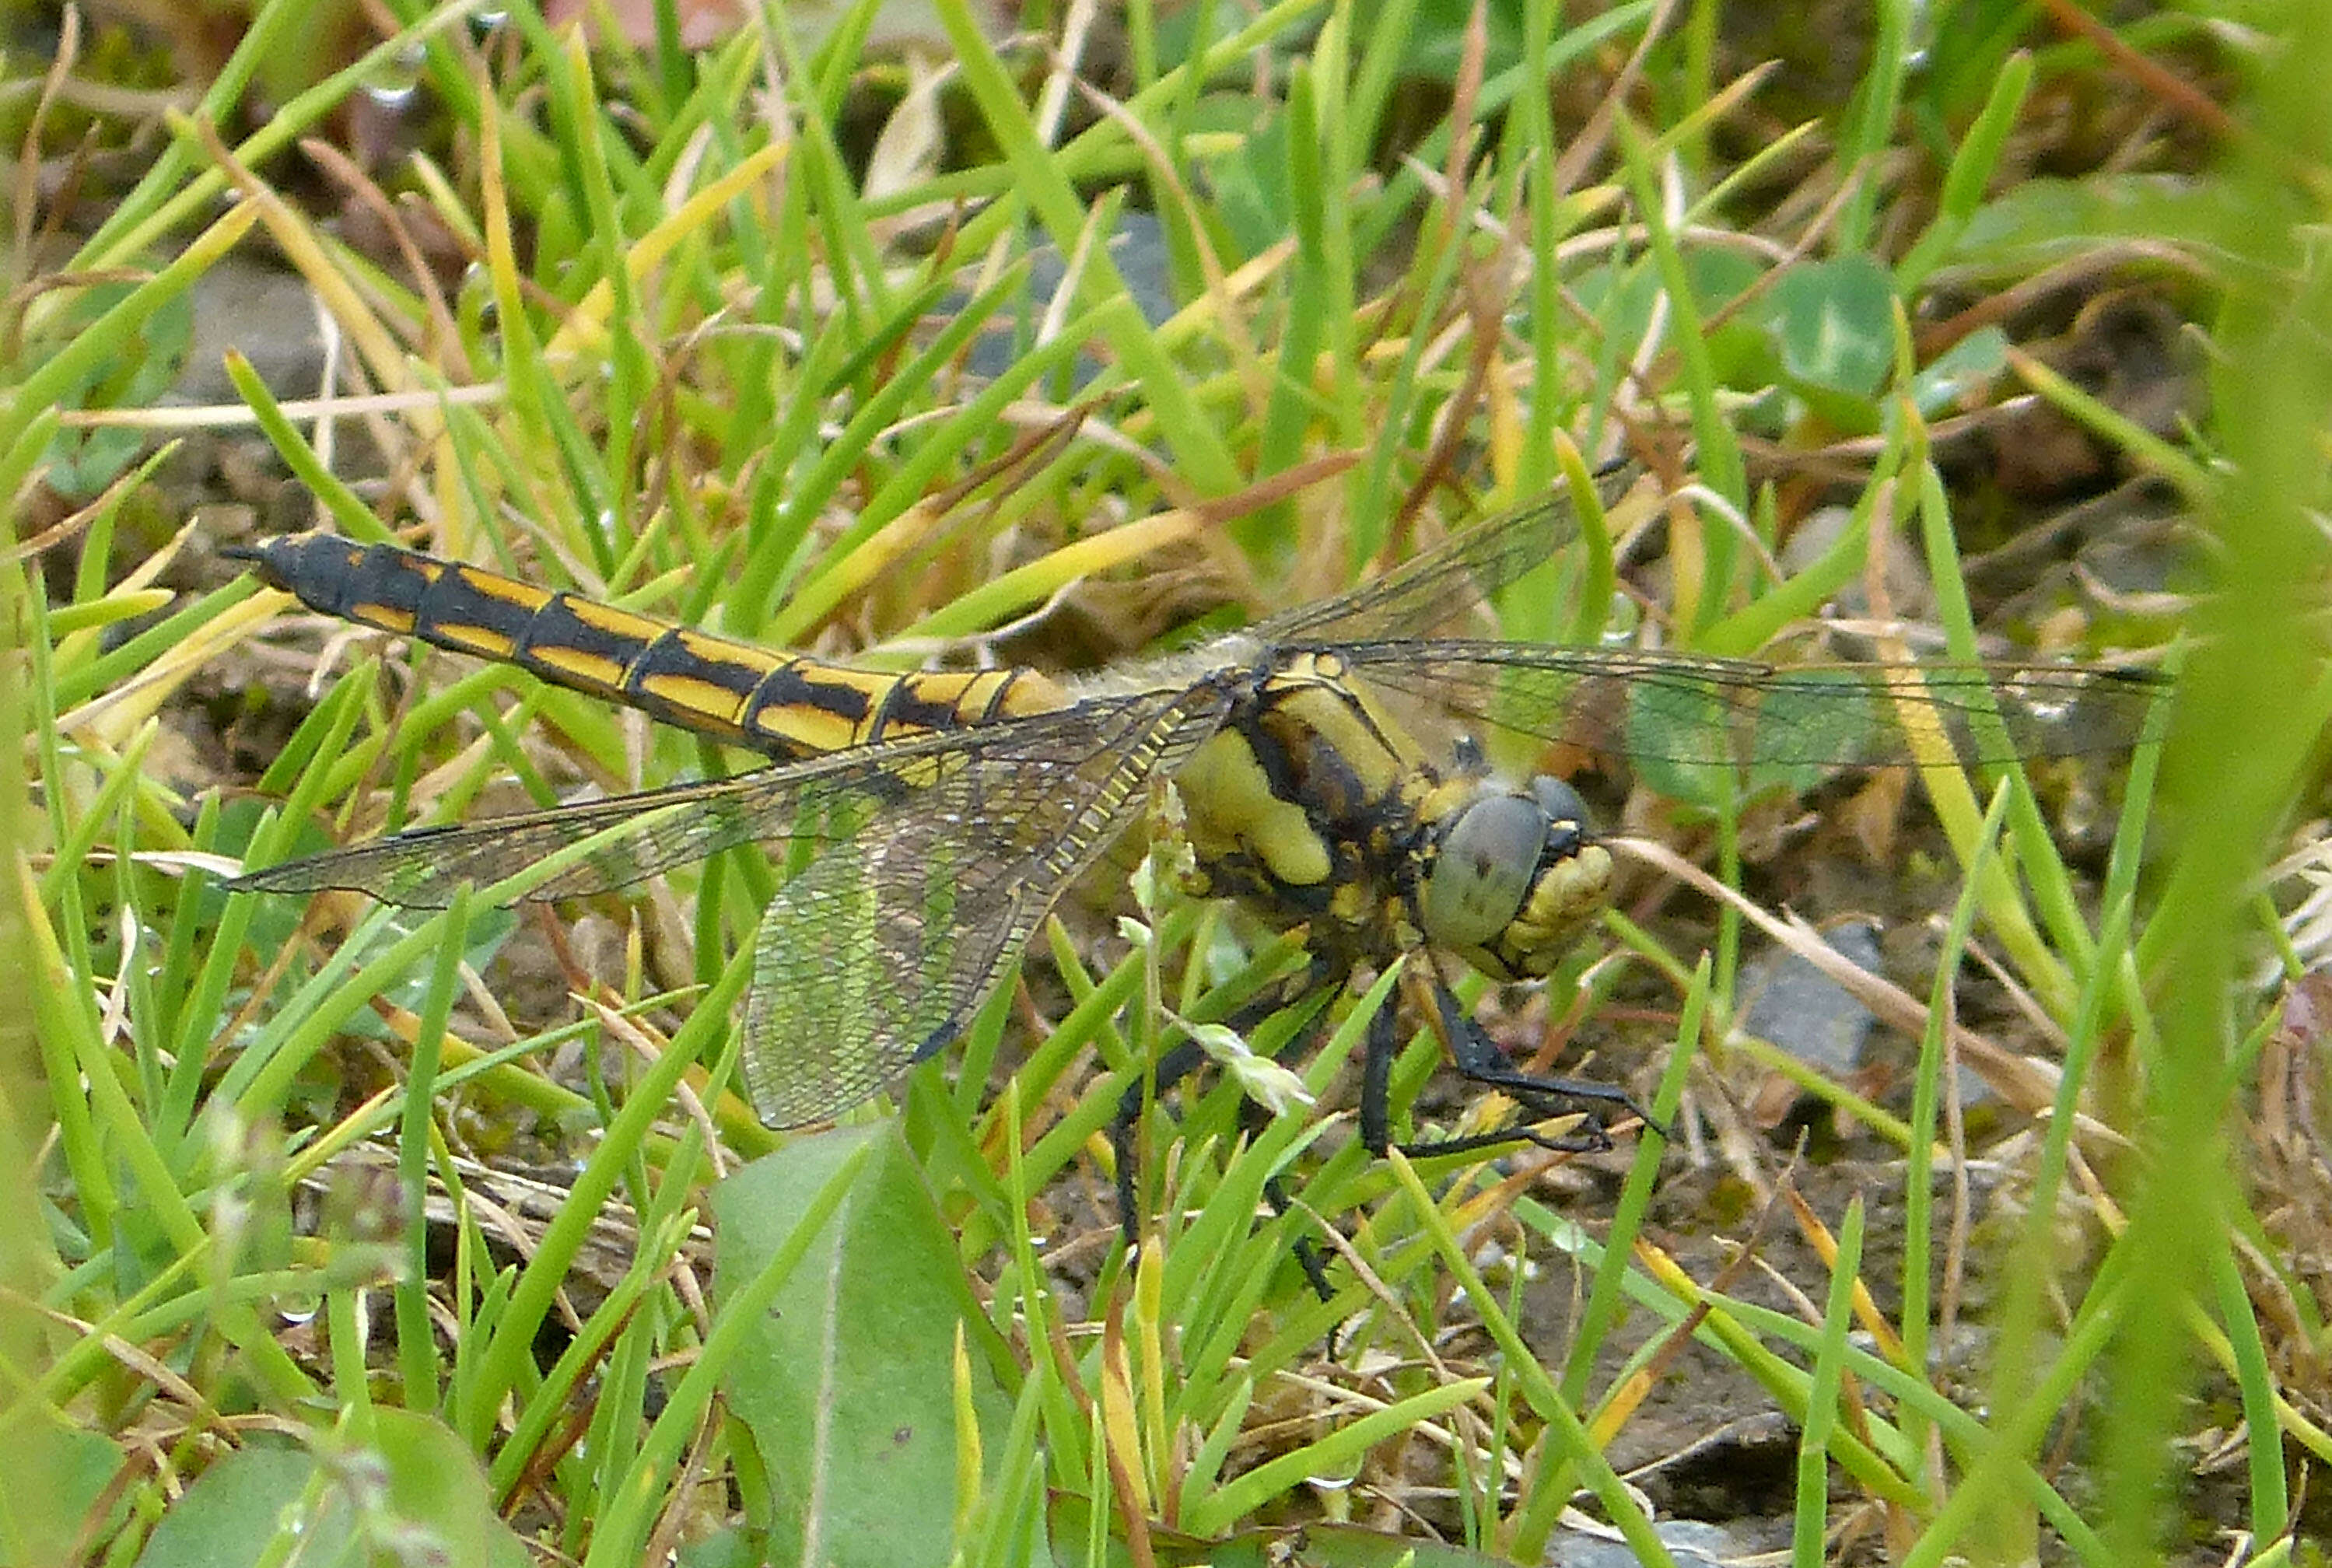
(934, 859)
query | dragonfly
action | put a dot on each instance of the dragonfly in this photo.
(936, 817)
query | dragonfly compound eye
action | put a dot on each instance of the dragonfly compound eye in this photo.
(1484, 870)
(1514, 880)
(1565, 810)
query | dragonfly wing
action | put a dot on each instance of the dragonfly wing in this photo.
(877, 954)
(637, 836)
(1433, 590)
(932, 861)
(1729, 714)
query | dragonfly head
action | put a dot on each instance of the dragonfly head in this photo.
(1512, 876)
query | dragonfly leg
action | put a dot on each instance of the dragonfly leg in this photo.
(1378, 1052)
(1479, 1060)
(1177, 1063)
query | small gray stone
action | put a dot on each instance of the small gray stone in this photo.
(1689, 1541)
(1803, 1011)
(268, 315)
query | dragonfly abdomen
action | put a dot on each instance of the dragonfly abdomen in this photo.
(787, 705)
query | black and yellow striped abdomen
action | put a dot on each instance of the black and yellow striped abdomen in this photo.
(784, 705)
